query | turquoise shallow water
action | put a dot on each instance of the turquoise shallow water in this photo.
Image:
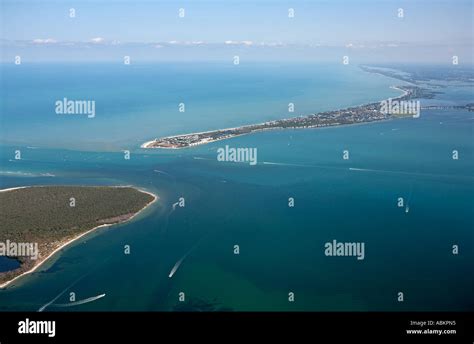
(281, 248)
(140, 102)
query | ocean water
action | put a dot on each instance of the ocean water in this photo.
(139, 102)
(227, 204)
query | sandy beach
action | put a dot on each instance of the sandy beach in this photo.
(15, 188)
(149, 144)
(66, 243)
(145, 145)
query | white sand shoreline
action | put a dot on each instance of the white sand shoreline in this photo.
(15, 188)
(67, 243)
(147, 144)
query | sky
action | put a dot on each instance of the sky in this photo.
(429, 31)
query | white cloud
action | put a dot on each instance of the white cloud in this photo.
(44, 41)
(271, 44)
(247, 43)
(356, 45)
(185, 43)
(97, 40)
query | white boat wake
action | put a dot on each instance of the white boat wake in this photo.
(80, 302)
(176, 266)
(178, 263)
(42, 308)
(419, 174)
(162, 172)
(284, 164)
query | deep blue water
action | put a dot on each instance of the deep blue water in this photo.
(8, 264)
(281, 248)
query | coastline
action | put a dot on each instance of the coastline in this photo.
(15, 188)
(150, 144)
(66, 243)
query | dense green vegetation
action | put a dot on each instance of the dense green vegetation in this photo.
(53, 215)
(42, 214)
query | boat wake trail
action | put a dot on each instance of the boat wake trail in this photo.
(284, 164)
(50, 303)
(42, 308)
(178, 263)
(80, 302)
(163, 172)
(418, 174)
(407, 208)
(360, 169)
(176, 266)
(324, 167)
